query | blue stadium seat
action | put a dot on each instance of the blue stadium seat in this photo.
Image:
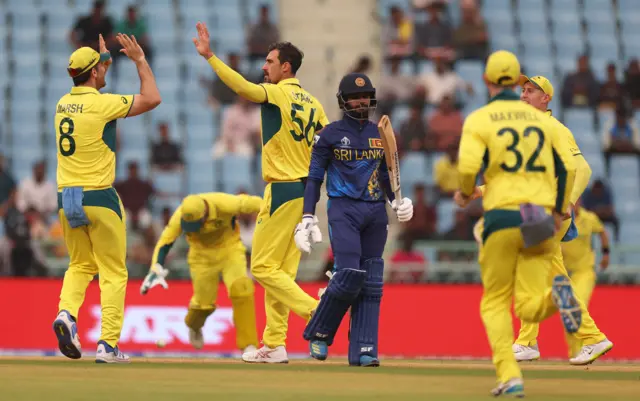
(596, 162)
(579, 120)
(567, 54)
(563, 7)
(445, 209)
(538, 47)
(400, 113)
(565, 24)
(235, 173)
(527, 8)
(168, 182)
(22, 162)
(499, 20)
(629, 233)
(414, 170)
(588, 141)
(604, 47)
(533, 25)
(496, 5)
(502, 42)
(597, 7)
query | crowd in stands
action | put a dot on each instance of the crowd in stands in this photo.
(436, 100)
(436, 97)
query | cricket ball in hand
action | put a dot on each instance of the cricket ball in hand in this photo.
(161, 344)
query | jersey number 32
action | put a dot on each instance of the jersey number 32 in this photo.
(513, 148)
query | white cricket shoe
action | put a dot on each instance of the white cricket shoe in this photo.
(525, 353)
(109, 354)
(512, 388)
(589, 353)
(267, 355)
(67, 333)
(196, 339)
(249, 348)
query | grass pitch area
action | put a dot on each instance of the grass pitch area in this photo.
(53, 379)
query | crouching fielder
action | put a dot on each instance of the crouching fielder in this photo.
(350, 152)
(209, 223)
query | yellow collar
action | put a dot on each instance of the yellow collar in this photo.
(289, 81)
(81, 90)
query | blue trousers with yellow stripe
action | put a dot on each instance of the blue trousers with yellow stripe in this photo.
(97, 248)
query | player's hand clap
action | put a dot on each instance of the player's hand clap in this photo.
(156, 276)
(203, 42)
(307, 233)
(103, 49)
(404, 210)
(463, 201)
(130, 47)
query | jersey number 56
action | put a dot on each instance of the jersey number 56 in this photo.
(307, 132)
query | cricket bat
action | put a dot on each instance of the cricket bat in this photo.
(390, 154)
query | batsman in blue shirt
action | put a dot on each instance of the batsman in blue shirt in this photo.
(350, 152)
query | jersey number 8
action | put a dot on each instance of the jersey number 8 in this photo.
(513, 148)
(66, 136)
(306, 133)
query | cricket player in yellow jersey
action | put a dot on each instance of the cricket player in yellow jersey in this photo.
(90, 210)
(523, 205)
(291, 117)
(580, 259)
(209, 223)
(538, 91)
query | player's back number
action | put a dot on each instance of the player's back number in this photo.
(530, 166)
(66, 143)
(306, 132)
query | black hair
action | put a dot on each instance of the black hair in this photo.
(288, 53)
(82, 78)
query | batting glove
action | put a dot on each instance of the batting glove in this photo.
(404, 210)
(156, 276)
(307, 233)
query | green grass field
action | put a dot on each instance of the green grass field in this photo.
(53, 379)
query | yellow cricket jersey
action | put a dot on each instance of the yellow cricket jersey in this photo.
(85, 124)
(578, 253)
(291, 116)
(521, 150)
(446, 175)
(219, 231)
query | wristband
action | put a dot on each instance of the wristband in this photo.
(605, 250)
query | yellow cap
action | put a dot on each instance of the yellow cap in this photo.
(503, 68)
(194, 212)
(539, 82)
(84, 59)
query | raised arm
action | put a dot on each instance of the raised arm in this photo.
(149, 96)
(235, 81)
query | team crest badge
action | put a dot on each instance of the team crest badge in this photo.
(360, 82)
(345, 141)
